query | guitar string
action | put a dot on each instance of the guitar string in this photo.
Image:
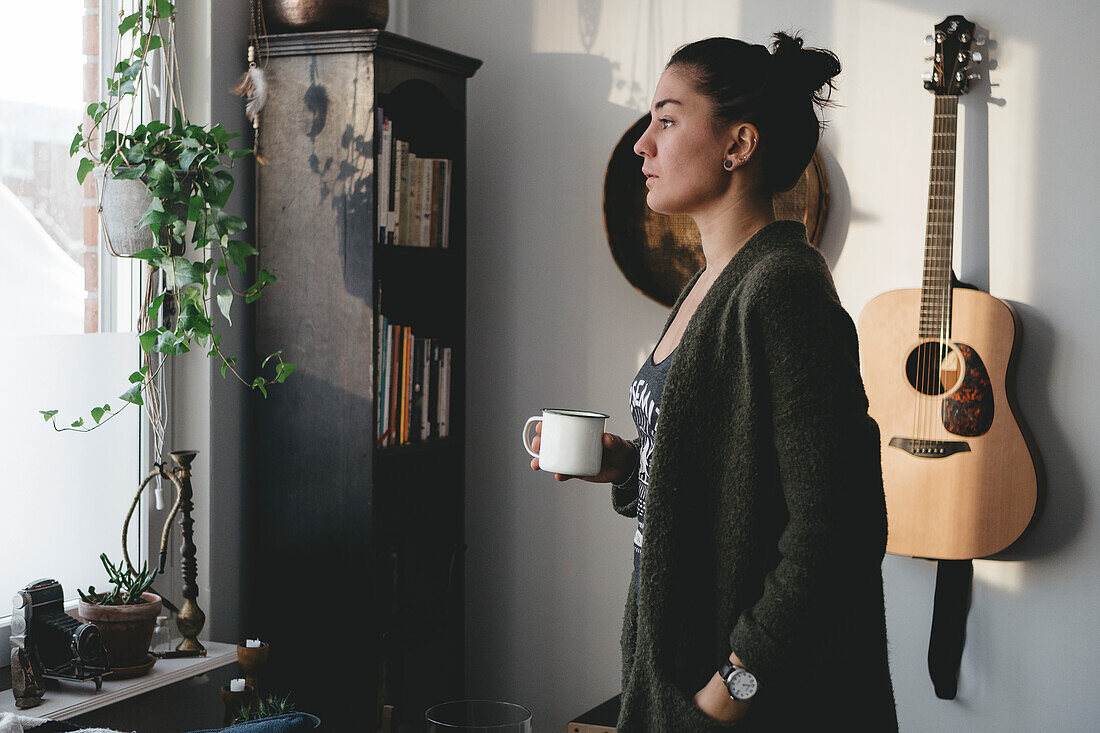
(924, 294)
(943, 263)
(928, 295)
(948, 250)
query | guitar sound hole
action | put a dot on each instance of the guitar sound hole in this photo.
(934, 368)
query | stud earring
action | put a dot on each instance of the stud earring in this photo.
(728, 164)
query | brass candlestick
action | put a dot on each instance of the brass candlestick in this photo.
(190, 618)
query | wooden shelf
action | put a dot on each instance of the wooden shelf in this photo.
(414, 448)
(66, 699)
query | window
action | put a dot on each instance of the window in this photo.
(66, 314)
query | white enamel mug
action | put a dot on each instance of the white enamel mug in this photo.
(571, 441)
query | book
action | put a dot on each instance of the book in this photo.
(433, 394)
(395, 361)
(404, 385)
(401, 175)
(444, 392)
(446, 223)
(384, 134)
(416, 165)
(391, 182)
(417, 390)
(425, 208)
(435, 218)
(425, 376)
(407, 402)
(380, 378)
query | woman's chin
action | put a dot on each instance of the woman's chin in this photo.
(657, 206)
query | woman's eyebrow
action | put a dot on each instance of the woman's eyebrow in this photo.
(663, 102)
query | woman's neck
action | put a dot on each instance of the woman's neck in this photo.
(725, 230)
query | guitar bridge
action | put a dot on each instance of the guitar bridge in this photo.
(922, 448)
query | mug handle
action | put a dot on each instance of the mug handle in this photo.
(527, 444)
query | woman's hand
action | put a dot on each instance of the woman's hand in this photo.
(619, 459)
(715, 702)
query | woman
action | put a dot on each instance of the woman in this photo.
(756, 601)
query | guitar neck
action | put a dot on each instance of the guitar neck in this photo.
(935, 301)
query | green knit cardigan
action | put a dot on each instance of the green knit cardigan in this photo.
(765, 517)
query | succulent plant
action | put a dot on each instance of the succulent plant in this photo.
(128, 586)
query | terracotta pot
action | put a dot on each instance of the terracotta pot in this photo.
(126, 630)
(295, 16)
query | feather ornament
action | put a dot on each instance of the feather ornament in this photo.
(252, 85)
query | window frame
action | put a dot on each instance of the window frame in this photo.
(109, 279)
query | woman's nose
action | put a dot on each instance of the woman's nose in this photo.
(641, 147)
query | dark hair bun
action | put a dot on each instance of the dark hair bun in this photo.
(775, 91)
(803, 70)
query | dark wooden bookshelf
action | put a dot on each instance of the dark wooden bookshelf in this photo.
(354, 552)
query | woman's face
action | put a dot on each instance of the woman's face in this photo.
(681, 155)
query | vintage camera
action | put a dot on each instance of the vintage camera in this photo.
(57, 644)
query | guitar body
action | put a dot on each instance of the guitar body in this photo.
(959, 478)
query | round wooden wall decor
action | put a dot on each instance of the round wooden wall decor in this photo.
(659, 253)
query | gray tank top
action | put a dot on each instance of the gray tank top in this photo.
(645, 408)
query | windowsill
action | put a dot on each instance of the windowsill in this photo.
(66, 699)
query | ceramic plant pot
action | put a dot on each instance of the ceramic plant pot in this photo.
(126, 633)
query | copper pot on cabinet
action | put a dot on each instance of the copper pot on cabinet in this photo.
(296, 16)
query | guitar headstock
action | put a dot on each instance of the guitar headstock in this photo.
(950, 66)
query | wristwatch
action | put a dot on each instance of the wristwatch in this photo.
(740, 682)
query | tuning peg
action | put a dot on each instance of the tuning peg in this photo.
(927, 75)
(976, 57)
(979, 40)
(973, 77)
(928, 40)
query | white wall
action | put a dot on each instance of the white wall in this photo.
(554, 323)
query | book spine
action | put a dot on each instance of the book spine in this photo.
(425, 202)
(391, 428)
(391, 186)
(401, 179)
(424, 369)
(405, 435)
(444, 386)
(402, 413)
(435, 220)
(448, 166)
(417, 390)
(379, 118)
(415, 173)
(402, 394)
(383, 177)
(433, 386)
(380, 378)
(384, 382)
(407, 207)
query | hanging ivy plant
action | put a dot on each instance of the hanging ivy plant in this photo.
(186, 171)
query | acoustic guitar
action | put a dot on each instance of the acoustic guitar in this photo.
(958, 473)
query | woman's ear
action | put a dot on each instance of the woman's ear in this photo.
(743, 141)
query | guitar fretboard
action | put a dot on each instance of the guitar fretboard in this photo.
(935, 300)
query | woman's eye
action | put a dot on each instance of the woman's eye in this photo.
(664, 120)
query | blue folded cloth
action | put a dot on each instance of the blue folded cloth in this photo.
(288, 723)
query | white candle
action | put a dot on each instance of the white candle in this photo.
(252, 643)
(236, 685)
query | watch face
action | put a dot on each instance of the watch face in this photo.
(742, 685)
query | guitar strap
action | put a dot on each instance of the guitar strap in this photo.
(950, 608)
